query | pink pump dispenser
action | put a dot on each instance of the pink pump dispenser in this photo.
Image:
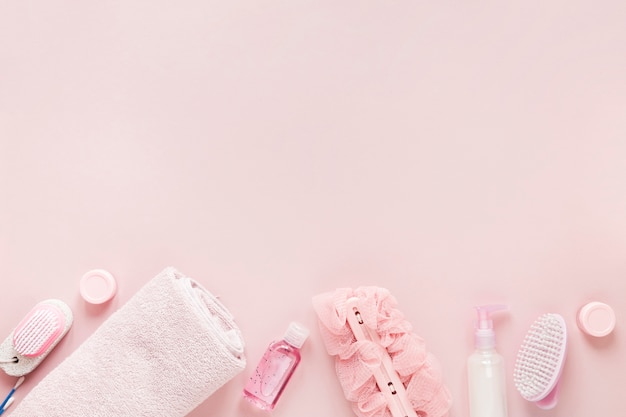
(485, 368)
(485, 336)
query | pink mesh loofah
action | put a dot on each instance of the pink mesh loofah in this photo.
(355, 360)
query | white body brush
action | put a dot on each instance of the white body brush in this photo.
(540, 361)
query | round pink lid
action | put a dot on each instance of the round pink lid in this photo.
(596, 319)
(97, 286)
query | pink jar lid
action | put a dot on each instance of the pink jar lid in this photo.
(596, 319)
(97, 286)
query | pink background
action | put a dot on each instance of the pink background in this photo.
(457, 153)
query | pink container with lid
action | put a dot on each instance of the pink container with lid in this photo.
(97, 286)
(596, 319)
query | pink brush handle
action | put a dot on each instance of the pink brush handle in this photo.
(550, 400)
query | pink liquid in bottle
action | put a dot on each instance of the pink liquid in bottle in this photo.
(275, 368)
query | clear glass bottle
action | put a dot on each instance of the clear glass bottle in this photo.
(275, 368)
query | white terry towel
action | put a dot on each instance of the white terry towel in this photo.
(163, 353)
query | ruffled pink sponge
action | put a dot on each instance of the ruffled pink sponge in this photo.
(383, 367)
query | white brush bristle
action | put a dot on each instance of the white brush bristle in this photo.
(540, 358)
(39, 329)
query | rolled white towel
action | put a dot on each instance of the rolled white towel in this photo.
(164, 352)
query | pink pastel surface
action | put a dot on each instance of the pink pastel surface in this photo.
(457, 153)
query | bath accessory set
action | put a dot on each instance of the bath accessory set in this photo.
(162, 353)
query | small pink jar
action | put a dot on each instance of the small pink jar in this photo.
(596, 319)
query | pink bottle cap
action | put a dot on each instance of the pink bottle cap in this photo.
(97, 286)
(596, 319)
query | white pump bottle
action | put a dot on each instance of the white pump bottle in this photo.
(485, 369)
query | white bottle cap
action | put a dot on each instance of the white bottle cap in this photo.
(296, 334)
